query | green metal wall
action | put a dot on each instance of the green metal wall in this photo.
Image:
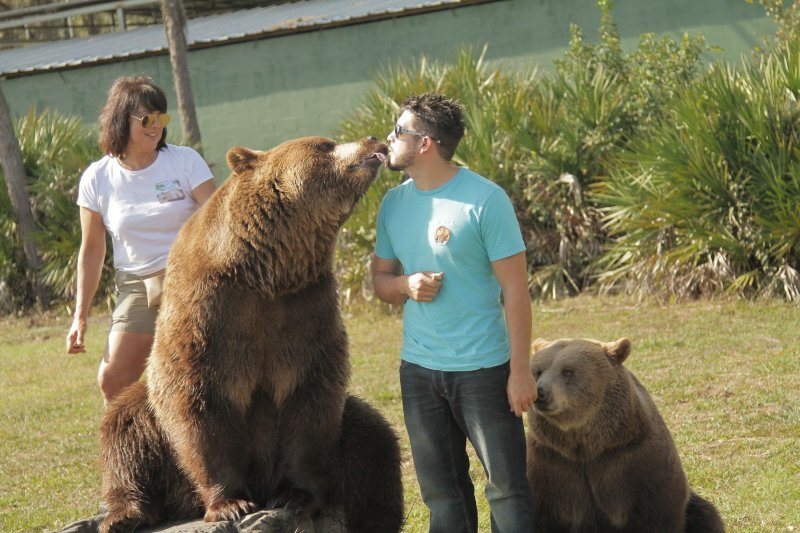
(260, 93)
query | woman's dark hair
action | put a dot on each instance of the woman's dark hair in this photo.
(124, 98)
(440, 118)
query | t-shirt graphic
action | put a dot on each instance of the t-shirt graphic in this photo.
(169, 191)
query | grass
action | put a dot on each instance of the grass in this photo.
(726, 376)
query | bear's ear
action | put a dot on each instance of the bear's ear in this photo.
(618, 350)
(539, 344)
(241, 160)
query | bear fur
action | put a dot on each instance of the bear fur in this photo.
(246, 401)
(142, 478)
(600, 457)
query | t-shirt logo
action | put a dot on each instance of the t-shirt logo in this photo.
(169, 191)
(442, 235)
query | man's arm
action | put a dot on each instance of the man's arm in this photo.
(393, 287)
(512, 274)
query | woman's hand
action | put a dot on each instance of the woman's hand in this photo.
(76, 335)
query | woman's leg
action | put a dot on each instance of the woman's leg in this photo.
(124, 361)
(130, 339)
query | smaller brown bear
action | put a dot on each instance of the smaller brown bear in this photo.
(600, 457)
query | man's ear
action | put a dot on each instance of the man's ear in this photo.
(426, 145)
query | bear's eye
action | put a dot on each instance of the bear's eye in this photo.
(327, 147)
(537, 372)
(567, 372)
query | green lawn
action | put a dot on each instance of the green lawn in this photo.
(726, 376)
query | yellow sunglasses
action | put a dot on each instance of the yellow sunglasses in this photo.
(151, 118)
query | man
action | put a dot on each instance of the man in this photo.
(448, 244)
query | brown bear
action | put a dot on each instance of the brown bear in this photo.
(246, 401)
(600, 458)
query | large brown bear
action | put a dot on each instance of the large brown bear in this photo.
(246, 400)
(600, 458)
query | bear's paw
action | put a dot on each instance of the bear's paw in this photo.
(232, 509)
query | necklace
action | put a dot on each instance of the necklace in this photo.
(135, 166)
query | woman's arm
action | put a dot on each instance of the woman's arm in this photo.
(90, 267)
(203, 192)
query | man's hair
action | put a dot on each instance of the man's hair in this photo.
(124, 97)
(440, 118)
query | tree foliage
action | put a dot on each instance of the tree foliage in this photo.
(709, 200)
(55, 149)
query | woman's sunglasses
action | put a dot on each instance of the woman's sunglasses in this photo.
(151, 118)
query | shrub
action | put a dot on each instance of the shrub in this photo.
(786, 14)
(708, 201)
(583, 117)
(55, 150)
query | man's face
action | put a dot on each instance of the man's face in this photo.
(403, 147)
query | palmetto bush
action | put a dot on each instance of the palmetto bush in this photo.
(582, 118)
(545, 139)
(709, 201)
(55, 150)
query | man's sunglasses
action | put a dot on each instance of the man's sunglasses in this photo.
(151, 118)
(398, 129)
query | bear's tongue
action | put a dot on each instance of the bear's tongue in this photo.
(381, 157)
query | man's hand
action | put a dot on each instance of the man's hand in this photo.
(521, 391)
(423, 286)
(75, 336)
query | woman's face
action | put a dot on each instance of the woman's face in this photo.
(144, 139)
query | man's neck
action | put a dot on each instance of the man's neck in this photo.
(432, 176)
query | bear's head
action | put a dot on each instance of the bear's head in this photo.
(275, 221)
(574, 378)
(311, 175)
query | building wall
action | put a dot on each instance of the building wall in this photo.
(259, 93)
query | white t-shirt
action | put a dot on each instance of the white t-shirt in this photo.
(144, 209)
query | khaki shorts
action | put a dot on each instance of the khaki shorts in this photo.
(131, 314)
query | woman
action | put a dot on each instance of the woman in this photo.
(141, 192)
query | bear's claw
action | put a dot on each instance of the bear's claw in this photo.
(229, 510)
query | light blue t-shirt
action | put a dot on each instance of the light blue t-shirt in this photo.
(459, 229)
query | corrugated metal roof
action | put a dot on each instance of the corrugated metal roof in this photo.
(248, 24)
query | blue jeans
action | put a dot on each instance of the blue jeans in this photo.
(442, 410)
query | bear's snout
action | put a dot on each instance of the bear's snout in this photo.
(543, 398)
